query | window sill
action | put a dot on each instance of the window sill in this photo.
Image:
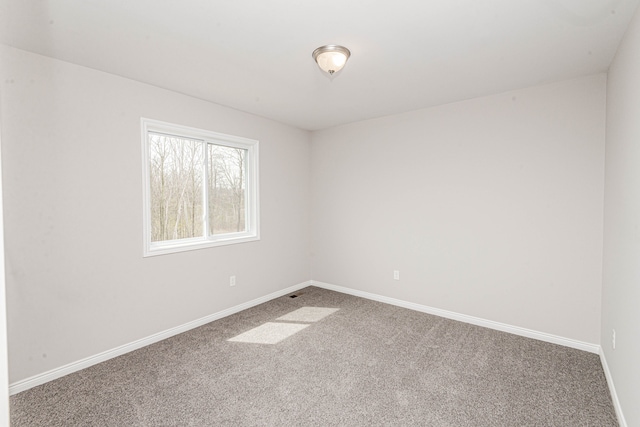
(191, 245)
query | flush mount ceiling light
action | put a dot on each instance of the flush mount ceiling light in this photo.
(331, 58)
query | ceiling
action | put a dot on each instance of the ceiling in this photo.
(255, 55)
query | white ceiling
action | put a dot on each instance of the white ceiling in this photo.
(255, 55)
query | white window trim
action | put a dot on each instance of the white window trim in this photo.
(252, 189)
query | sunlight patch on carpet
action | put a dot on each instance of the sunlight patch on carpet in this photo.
(308, 314)
(269, 333)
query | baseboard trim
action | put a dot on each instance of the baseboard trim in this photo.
(53, 374)
(542, 336)
(612, 390)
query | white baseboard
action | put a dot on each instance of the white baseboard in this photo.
(542, 336)
(53, 374)
(612, 390)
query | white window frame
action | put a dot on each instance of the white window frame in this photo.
(252, 232)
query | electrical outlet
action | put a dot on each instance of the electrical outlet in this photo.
(396, 274)
(613, 338)
(232, 280)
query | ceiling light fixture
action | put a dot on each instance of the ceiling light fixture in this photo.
(331, 58)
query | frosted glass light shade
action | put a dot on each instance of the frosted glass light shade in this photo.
(331, 58)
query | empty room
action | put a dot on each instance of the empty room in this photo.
(280, 213)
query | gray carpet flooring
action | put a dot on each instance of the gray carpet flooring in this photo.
(366, 364)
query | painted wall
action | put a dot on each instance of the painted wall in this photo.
(490, 207)
(621, 267)
(4, 367)
(77, 283)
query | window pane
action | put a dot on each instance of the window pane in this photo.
(226, 187)
(176, 166)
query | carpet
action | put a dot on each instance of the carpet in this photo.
(348, 362)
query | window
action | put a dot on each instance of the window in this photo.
(200, 188)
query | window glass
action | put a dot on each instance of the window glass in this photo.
(200, 188)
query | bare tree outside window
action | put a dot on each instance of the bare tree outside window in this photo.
(200, 188)
(176, 187)
(226, 188)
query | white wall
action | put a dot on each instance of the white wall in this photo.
(77, 283)
(4, 368)
(621, 267)
(490, 207)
